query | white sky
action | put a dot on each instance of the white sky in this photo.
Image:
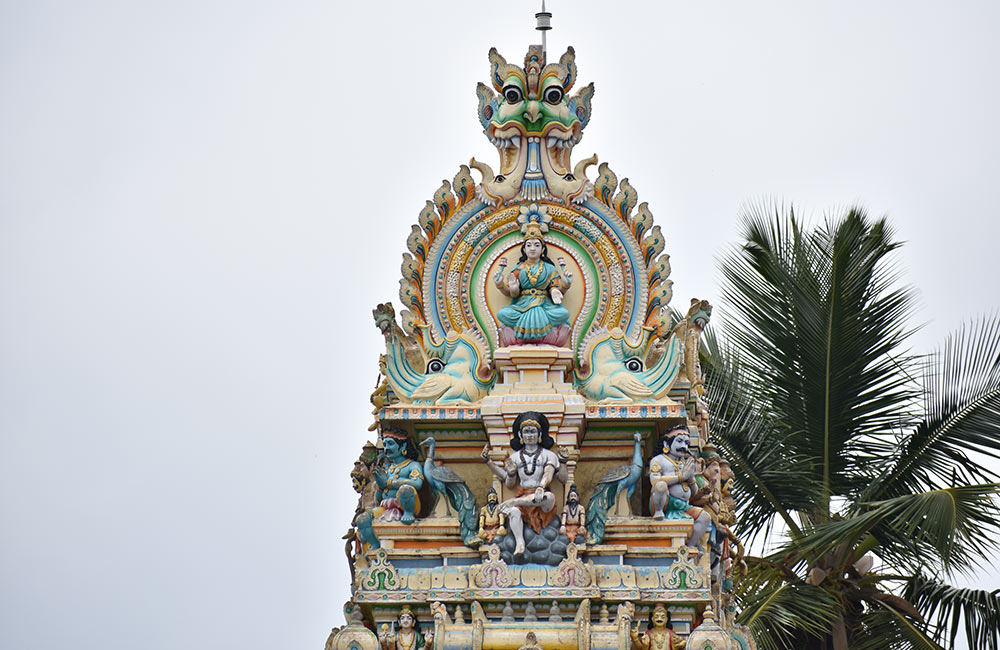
(201, 201)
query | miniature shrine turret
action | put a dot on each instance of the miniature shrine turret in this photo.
(542, 474)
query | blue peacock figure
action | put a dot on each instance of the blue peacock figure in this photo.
(620, 479)
(446, 483)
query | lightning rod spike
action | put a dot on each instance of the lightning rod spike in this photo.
(543, 23)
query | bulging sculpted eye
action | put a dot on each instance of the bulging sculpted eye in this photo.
(634, 365)
(512, 94)
(553, 94)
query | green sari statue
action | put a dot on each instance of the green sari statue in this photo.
(536, 314)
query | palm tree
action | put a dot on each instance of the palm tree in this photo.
(858, 461)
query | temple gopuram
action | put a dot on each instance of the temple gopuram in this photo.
(541, 476)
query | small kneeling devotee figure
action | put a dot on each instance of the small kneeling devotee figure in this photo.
(407, 635)
(659, 634)
(396, 495)
(530, 468)
(492, 520)
(671, 474)
(574, 515)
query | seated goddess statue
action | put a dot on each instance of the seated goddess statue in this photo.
(536, 314)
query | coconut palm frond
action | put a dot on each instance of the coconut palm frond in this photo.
(783, 615)
(951, 527)
(948, 608)
(886, 628)
(814, 318)
(772, 479)
(853, 445)
(962, 416)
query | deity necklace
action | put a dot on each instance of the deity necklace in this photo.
(677, 470)
(659, 639)
(395, 469)
(533, 277)
(676, 464)
(534, 461)
(403, 643)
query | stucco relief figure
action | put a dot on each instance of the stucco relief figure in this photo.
(659, 634)
(530, 469)
(574, 515)
(407, 635)
(398, 477)
(671, 475)
(492, 520)
(530, 642)
(535, 286)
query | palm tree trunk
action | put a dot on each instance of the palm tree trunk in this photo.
(839, 635)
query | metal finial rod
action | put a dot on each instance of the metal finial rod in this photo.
(543, 24)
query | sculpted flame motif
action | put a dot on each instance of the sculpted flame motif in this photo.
(534, 124)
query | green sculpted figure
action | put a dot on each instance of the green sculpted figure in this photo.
(398, 477)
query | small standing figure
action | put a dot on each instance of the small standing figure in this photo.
(671, 474)
(574, 515)
(530, 468)
(659, 634)
(362, 480)
(397, 485)
(492, 520)
(407, 635)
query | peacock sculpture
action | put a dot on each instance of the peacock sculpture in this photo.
(446, 483)
(623, 478)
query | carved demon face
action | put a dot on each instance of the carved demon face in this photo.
(680, 445)
(699, 314)
(534, 124)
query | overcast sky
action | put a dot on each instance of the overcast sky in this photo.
(201, 202)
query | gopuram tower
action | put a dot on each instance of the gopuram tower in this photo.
(543, 476)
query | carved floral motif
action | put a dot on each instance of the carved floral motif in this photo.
(684, 573)
(493, 572)
(572, 572)
(381, 575)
